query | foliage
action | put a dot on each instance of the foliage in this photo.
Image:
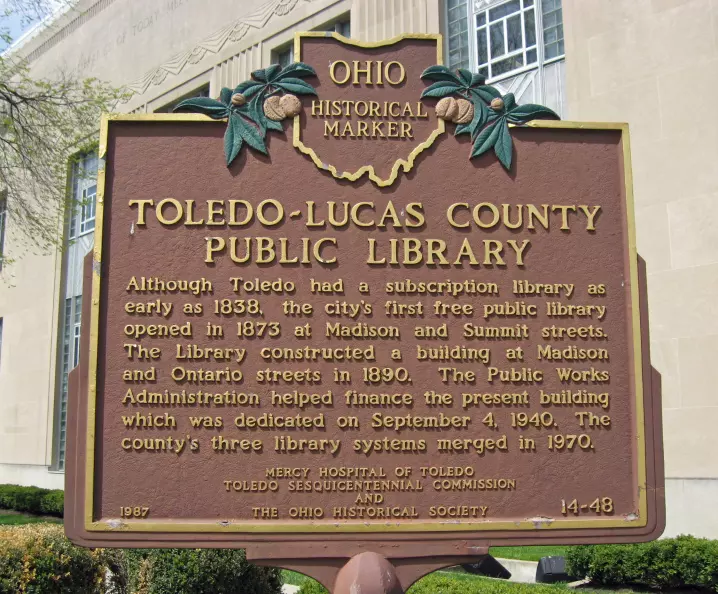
(441, 583)
(312, 587)
(528, 553)
(43, 122)
(247, 123)
(39, 559)
(15, 519)
(200, 571)
(32, 500)
(684, 561)
(493, 113)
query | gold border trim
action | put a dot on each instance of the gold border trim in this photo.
(405, 164)
(230, 526)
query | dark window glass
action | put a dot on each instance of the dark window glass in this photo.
(531, 57)
(507, 65)
(497, 40)
(481, 19)
(481, 46)
(513, 33)
(504, 10)
(530, 28)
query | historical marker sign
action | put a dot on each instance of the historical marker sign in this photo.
(369, 323)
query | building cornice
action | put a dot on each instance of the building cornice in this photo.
(214, 43)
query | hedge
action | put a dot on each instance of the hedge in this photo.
(32, 500)
(680, 562)
(197, 571)
(457, 583)
(37, 558)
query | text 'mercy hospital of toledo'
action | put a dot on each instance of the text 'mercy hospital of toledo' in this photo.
(653, 64)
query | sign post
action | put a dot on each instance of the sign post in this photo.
(364, 308)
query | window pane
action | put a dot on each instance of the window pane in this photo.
(484, 71)
(504, 9)
(457, 28)
(456, 14)
(550, 35)
(531, 57)
(530, 28)
(481, 19)
(549, 5)
(497, 40)
(513, 33)
(507, 65)
(528, 3)
(551, 19)
(481, 47)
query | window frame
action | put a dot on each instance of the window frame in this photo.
(341, 25)
(3, 225)
(474, 7)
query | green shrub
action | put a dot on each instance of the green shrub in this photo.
(441, 583)
(32, 500)
(312, 587)
(198, 571)
(670, 563)
(39, 559)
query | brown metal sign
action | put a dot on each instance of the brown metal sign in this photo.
(410, 346)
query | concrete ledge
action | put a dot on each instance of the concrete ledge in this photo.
(521, 571)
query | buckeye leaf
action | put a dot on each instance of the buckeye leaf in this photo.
(509, 101)
(439, 72)
(440, 89)
(232, 140)
(255, 112)
(248, 86)
(465, 76)
(504, 146)
(250, 135)
(225, 96)
(529, 111)
(485, 140)
(211, 107)
(272, 125)
(296, 86)
(271, 72)
(296, 69)
(486, 93)
(477, 79)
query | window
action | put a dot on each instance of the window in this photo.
(202, 91)
(71, 327)
(87, 212)
(3, 223)
(457, 24)
(84, 194)
(505, 35)
(284, 56)
(552, 28)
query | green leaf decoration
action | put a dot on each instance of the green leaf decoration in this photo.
(485, 140)
(486, 93)
(299, 69)
(247, 124)
(441, 73)
(255, 112)
(509, 101)
(465, 76)
(210, 107)
(489, 127)
(232, 140)
(440, 89)
(272, 125)
(503, 147)
(225, 96)
(296, 86)
(250, 134)
(529, 111)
